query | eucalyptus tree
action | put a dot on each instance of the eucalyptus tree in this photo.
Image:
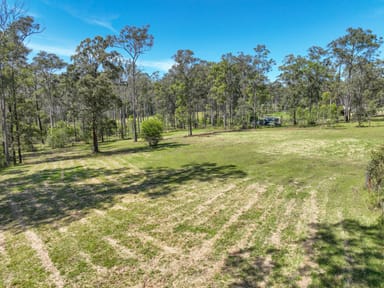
(166, 99)
(246, 72)
(317, 73)
(262, 65)
(27, 131)
(277, 91)
(218, 91)
(123, 93)
(200, 90)
(352, 54)
(135, 41)
(292, 76)
(93, 64)
(70, 97)
(145, 96)
(367, 87)
(47, 65)
(183, 69)
(225, 87)
(232, 77)
(254, 79)
(15, 27)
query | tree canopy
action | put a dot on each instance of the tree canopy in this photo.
(103, 91)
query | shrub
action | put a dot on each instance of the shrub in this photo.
(375, 174)
(151, 131)
(59, 136)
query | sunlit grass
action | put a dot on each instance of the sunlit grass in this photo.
(281, 207)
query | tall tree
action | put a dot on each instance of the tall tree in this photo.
(46, 65)
(15, 27)
(135, 41)
(317, 73)
(352, 52)
(254, 81)
(293, 77)
(183, 69)
(166, 98)
(93, 63)
(225, 89)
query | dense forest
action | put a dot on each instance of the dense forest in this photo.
(103, 93)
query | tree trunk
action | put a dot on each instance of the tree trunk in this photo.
(189, 123)
(230, 114)
(39, 121)
(347, 114)
(11, 134)
(134, 101)
(138, 126)
(74, 129)
(16, 121)
(17, 126)
(294, 117)
(51, 115)
(123, 123)
(94, 136)
(4, 128)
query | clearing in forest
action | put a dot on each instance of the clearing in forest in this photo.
(264, 208)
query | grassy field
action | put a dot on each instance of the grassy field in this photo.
(278, 207)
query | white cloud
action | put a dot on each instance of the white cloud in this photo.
(99, 22)
(60, 51)
(79, 12)
(161, 65)
(104, 21)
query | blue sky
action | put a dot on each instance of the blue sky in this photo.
(210, 28)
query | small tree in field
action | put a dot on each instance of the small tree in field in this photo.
(151, 130)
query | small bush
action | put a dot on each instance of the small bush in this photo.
(59, 136)
(151, 131)
(375, 174)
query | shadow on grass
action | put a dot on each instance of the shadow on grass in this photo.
(146, 148)
(254, 271)
(361, 250)
(52, 156)
(354, 260)
(68, 194)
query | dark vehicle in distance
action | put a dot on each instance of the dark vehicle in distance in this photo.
(270, 121)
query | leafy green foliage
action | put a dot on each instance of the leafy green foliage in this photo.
(151, 131)
(375, 174)
(59, 136)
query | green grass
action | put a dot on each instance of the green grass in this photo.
(280, 207)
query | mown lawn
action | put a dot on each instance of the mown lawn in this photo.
(277, 207)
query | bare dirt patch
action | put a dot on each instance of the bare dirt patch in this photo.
(276, 236)
(201, 254)
(3, 251)
(208, 244)
(303, 147)
(39, 247)
(311, 213)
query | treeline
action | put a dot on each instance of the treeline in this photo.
(102, 92)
